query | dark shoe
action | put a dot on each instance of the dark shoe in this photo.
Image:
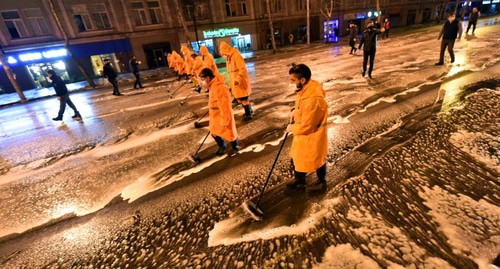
(439, 63)
(317, 186)
(197, 89)
(57, 118)
(296, 184)
(452, 60)
(235, 145)
(76, 116)
(248, 113)
(221, 151)
(364, 73)
(370, 75)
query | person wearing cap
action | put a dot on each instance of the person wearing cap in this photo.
(134, 66)
(63, 96)
(221, 124)
(369, 41)
(353, 31)
(309, 128)
(239, 80)
(109, 72)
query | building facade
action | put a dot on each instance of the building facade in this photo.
(37, 35)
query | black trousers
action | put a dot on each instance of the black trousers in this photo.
(368, 54)
(447, 43)
(137, 83)
(320, 172)
(114, 82)
(473, 24)
(352, 43)
(386, 33)
(62, 105)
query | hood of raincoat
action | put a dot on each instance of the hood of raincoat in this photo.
(225, 48)
(185, 51)
(204, 50)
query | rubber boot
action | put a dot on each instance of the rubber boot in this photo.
(248, 113)
(235, 145)
(222, 145)
(299, 181)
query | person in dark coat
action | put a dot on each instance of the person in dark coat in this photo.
(474, 15)
(62, 95)
(452, 29)
(134, 66)
(353, 31)
(109, 72)
(369, 41)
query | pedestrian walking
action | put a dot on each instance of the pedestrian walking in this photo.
(134, 66)
(63, 96)
(451, 31)
(239, 80)
(110, 73)
(369, 44)
(309, 128)
(208, 59)
(290, 38)
(473, 17)
(353, 31)
(387, 28)
(221, 117)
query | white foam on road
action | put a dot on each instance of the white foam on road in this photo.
(219, 234)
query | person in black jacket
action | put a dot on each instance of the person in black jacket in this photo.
(369, 40)
(474, 15)
(134, 66)
(451, 29)
(353, 31)
(109, 72)
(62, 95)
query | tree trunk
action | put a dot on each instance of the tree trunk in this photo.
(308, 31)
(273, 42)
(456, 7)
(67, 46)
(464, 10)
(379, 17)
(181, 19)
(11, 78)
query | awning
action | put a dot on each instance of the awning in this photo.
(104, 47)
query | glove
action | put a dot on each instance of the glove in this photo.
(236, 83)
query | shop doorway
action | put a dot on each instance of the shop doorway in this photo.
(39, 72)
(242, 42)
(98, 63)
(156, 54)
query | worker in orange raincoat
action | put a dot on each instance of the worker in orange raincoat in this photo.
(222, 125)
(198, 65)
(188, 60)
(208, 59)
(239, 81)
(308, 126)
(178, 64)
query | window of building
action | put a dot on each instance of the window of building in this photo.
(301, 5)
(37, 21)
(14, 24)
(236, 8)
(196, 8)
(82, 18)
(155, 12)
(139, 13)
(276, 6)
(99, 16)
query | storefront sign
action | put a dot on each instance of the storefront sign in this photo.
(221, 32)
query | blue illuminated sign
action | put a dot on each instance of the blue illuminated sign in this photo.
(37, 56)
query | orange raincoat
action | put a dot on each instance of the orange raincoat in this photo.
(237, 71)
(310, 139)
(198, 65)
(179, 63)
(208, 59)
(188, 60)
(220, 111)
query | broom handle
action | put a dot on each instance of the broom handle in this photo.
(272, 168)
(202, 142)
(202, 116)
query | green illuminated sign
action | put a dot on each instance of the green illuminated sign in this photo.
(221, 32)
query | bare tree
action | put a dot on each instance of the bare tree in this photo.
(270, 20)
(67, 46)
(327, 11)
(13, 80)
(181, 19)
